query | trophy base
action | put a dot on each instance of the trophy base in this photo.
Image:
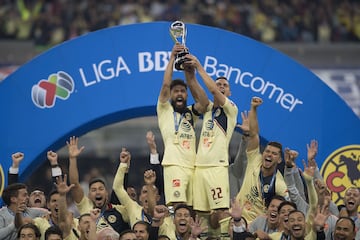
(180, 59)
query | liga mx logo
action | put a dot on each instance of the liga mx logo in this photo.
(341, 171)
(58, 85)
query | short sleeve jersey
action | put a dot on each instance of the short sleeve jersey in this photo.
(177, 130)
(217, 129)
(250, 195)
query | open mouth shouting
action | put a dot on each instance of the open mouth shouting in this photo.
(99, 201)
(350, 204)
(183, 226)
(273, 216)
(297, 230)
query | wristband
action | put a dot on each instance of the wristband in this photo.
(154, 158)
(56, 171)
(55, 165)
(13, 170)
(155, 220)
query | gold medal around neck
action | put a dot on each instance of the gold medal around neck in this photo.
(176, 140)
(266, 188)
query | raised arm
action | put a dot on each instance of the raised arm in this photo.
(165, 88)
(155, 162)
(118, 183)
(152, 196)
(55, 168)
(74, 151)
(198, 93)
(65, 218)
(240, 160)
(219, 97)
(13, 174)
(254, 140)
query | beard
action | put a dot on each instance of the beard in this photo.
(179, 108)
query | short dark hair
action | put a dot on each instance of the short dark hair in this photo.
(183, 205)
(83, 215)
(278, 197)
(52, 192)
(32, 226)
(284, 203)
(53, 230)
(276, 144)
(12, 191)
(125, 232)
(141, 222)
(296, 211)
(347, 218)
(221, 77)
(176, 82)
(96, 180)
(163, 236)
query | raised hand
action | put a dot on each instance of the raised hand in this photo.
(95, 214)
(176, 49)
(149, 177)
(256, 101)
(312, 150)
(61, 185)
(160, 211)
(321, 216)
(236, 209)
(16, 159)
(308, 170)
(290, 157)
(52, 157)
(245, 127)
(125, 156)
(150, 139)
(74, 150)
(196, 228)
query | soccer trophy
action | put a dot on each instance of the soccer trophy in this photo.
(178, 34)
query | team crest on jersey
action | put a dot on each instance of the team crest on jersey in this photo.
(217, 112)
(111, 218)
(2, 180)
(341, 170)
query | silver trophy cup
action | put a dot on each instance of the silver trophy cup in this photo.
(178, 34)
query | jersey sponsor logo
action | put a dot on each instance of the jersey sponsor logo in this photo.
(176, 194)
(341, 170)
(176, 182)
(46, 91)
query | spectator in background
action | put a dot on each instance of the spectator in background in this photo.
(16, 198)
(53, 233)
(265, 21)
(28, 231)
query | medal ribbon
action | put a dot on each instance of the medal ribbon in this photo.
(177, 123)
(267, 195)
